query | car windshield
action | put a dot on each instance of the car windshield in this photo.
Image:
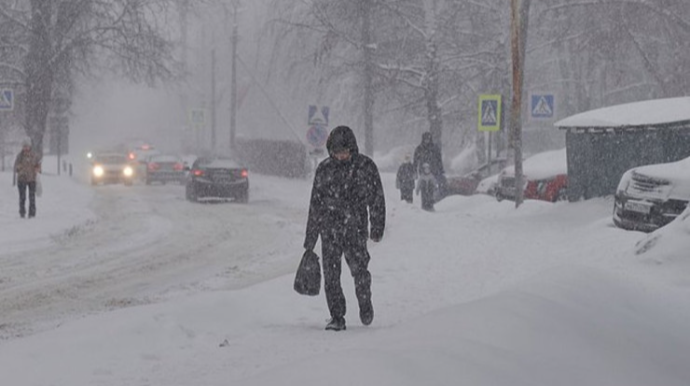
(216, 163)
(164, 158)
(111, 159)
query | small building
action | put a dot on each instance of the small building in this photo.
(603, 144)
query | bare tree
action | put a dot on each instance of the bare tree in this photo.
(432, 58)
(66, 37)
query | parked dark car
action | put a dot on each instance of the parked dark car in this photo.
(140, 155)
(164, 169)
(217, 177)
(649, 197)
(109, 168)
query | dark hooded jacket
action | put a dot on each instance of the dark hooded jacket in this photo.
(346, 195)
(428, 152)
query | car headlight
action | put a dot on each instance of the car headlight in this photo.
(128, 171)
(98, 171)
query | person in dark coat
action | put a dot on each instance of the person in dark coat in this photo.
(27, 165)
(428, 153)
(405, 180)
(346, 199)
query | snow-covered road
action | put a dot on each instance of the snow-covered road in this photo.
(145, 243)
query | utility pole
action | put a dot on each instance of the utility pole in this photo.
(233, 83)
(518, 22)
(184, 100)
(367, 51)
(213, 100)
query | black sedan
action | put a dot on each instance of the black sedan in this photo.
(217, 177)
(165, 168)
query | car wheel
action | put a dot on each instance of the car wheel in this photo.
(190, 193)
(243, 198)
(562, 195)
(499, 197)
(148, 182)
(128, 183)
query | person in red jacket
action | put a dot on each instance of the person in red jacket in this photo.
(346, 199)
(27, 165)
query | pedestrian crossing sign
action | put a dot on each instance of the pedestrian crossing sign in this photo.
(489, 112)
(197, 118)
(542, 106)
(6, 99)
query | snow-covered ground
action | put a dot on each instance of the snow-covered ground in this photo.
(118, 286)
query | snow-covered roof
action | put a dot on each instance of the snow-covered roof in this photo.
(652, 112)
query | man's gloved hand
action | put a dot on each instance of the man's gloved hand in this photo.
(376, 234)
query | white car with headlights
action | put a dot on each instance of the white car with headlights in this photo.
(112, 168)
(649, 197)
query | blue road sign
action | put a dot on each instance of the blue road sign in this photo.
(317, 135)
(489, 112)
(542, 106)
(6, 99)
(318, 116)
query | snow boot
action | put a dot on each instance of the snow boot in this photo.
(336, 324)
(366, 313)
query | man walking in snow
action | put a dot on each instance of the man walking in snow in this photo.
(346, 196)
(26, 167)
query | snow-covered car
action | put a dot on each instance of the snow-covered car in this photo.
(217, 177)
(165, 168)
(649, 197)
(112, 168)
(545, 178)
(468, 183)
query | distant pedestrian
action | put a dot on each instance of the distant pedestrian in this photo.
(27, 165)
(427, 185)
(428, 152)
(404, 180)
(347, 194)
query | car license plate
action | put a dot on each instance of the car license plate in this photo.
(637, 206)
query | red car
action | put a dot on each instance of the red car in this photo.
(545, 178)
(466, 185)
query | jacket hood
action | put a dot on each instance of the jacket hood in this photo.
(341, 138)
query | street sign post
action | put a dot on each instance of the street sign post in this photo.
(59, 137)
(197, 118)
(542, 106)
(489, 117)
(317, 135)
(6, 99)
(318, 115)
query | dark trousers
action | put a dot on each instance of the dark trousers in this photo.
(406, 194)
(23, 185)
(427, 189)
(334, 245)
